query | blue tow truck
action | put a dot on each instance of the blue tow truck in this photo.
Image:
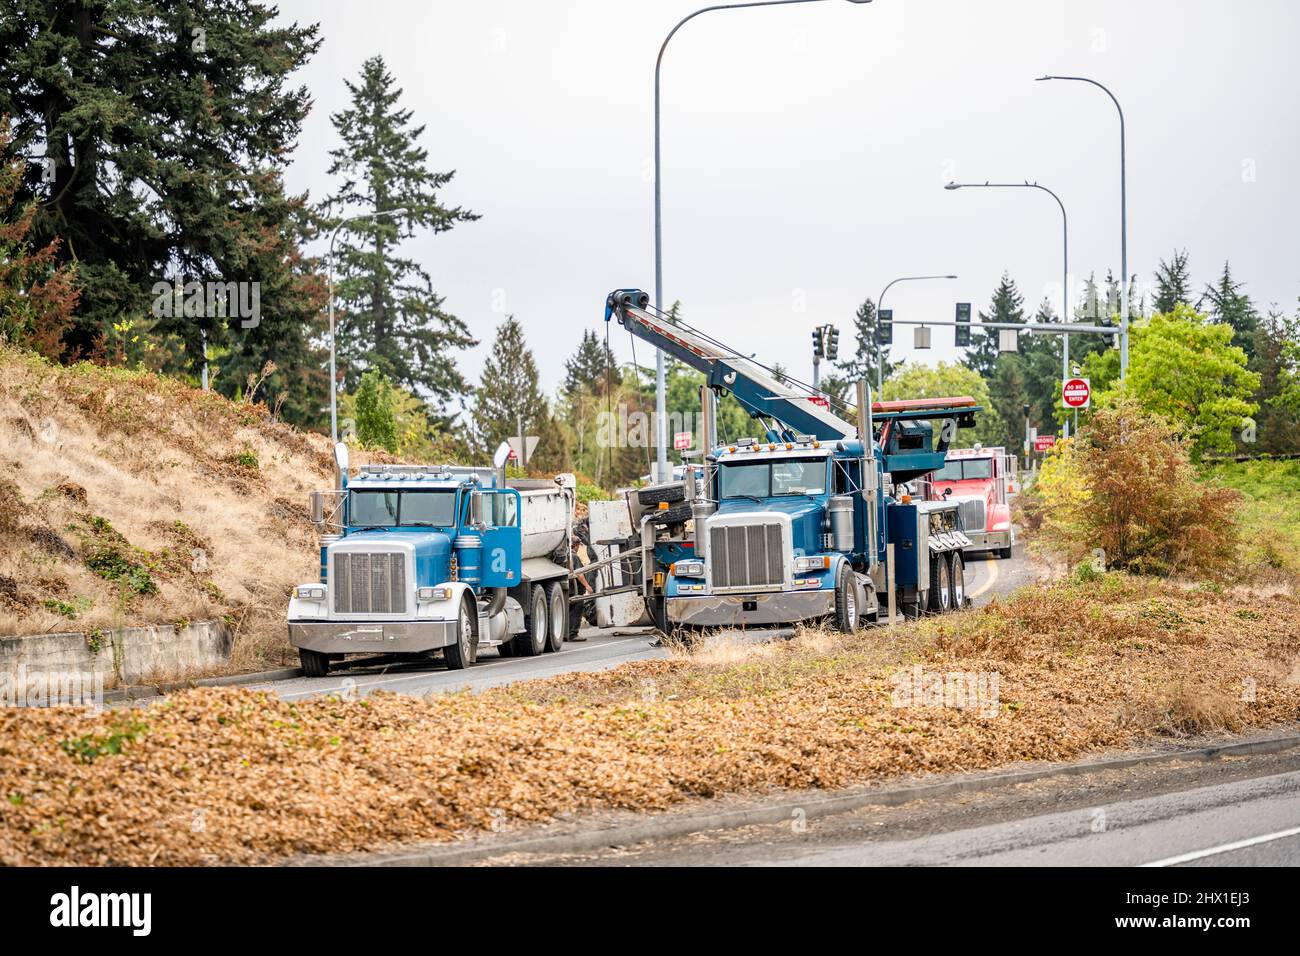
(816, 517)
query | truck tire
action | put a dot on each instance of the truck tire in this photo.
(533, 640)
(957, 575)
(847, 613)
(940, 585)
(1005, 553)
(314, 663)
(650, 497)
(659, 615)
(676, 514)
(462, 653)
(557, 607)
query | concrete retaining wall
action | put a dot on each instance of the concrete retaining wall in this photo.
(132, 655)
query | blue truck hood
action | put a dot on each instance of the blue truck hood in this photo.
(805, 517)
(432, 550)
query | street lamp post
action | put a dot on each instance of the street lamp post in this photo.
(661, 423)
(1123, 222)
(1065, 269)
(334, 404)
(880, 351)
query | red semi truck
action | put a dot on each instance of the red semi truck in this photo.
(981, 481)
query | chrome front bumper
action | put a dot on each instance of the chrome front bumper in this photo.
(989, 540)
(729, 610)
(371, 637)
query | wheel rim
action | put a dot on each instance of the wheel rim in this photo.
(945, 584)
(851, 609)
(959, 580)
(557, 617)
(539, 616)
(465, 626)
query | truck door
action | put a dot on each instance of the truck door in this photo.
(502, 538)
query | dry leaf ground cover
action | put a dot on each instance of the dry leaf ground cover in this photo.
(227, 775)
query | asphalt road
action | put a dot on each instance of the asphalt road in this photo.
(1234, 811)
(603, 649)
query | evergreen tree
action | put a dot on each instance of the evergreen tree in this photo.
(1229, 305)
(592, 367)
(162, 130)
(864, 363)
(1006, 306)
(1173, 282)
(509, 394)
(376, 422)
(392, 318)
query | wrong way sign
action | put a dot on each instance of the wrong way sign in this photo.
(1076, 393)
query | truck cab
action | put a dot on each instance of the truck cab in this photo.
(419, 559)
(981, 481)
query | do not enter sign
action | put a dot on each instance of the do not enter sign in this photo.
(1076, 393)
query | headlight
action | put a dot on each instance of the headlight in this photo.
(1002, 526)
(689, 569)
(820, 563)
(433, 594)
(312, 592)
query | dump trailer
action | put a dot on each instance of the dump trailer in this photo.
(816, 517)
(434, 560)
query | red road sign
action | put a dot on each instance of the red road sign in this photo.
(821, 400)
(682, 441)
(1076, 393)
(1044, 442)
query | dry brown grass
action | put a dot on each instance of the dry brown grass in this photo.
(1081, 669)
(144, 453)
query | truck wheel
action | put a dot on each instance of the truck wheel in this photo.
(659, 614)
(940, 585)
(533, 641)
(847, 612)
(314, 663)
(461, 654)
(958, 577)
(1005, 553)
(557, 628)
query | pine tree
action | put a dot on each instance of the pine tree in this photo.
(1006, 306)
(509, 394)
(392, 318)
(1228, 304)
(163, 130)
(1173, 282)
(864, 363)
(592, 367)
(376, 422)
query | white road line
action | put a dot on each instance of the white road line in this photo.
(1225, 848)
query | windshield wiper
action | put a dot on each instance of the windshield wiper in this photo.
(374, 527)
(750, 497)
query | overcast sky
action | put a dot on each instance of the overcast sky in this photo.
(805, 148)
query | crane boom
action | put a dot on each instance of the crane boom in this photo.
(797, 411)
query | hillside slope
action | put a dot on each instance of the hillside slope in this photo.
(126, 498)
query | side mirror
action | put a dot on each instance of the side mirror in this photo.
(340, 465)
(501, 455)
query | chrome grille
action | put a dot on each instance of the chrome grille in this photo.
(368, 582)
(746, 556)
(972, 514)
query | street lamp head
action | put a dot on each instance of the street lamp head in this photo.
(859, 1)
(1040, 79)
(950, 277)
(953, 186)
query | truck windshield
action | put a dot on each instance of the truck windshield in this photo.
(965, 469)
(388, 509)
(761, 479)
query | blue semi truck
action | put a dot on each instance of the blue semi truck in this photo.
(435, 560)
(799, 522)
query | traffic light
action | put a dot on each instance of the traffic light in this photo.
(833, 343)
(817, 342)
(885, 327)
(963, 325)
